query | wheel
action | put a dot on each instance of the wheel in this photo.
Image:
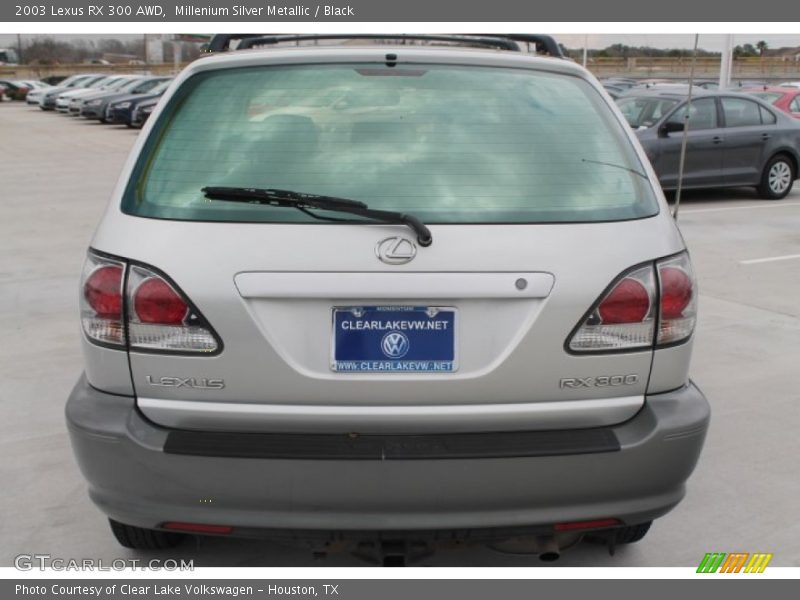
(629, 534)
(632, 533)
(777, 178)
(139, 538)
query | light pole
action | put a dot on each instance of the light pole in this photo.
(726, 64)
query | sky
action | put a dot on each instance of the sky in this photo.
(709, 41)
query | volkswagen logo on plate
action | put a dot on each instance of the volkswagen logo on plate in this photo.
(396, 250)
(395, 344)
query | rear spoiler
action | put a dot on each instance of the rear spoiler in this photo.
(543, 44)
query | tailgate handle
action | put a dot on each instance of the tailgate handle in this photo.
(394, 285)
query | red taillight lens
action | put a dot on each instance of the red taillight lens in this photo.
(156, 302)
(676, 292)
(103, 292)
(101, 302)
(628, 302)
(678, 304)
(197, 527)
(586, 525)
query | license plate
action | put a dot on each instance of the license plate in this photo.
(394, 339)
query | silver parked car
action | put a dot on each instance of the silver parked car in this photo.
(387, 292)
(733, 140)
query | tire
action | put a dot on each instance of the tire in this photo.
(777, 178)
(139, 538)
(620, 535)
(632, 533)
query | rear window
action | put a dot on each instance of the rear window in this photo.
(642, 112)
(448, 144)
(770, 97)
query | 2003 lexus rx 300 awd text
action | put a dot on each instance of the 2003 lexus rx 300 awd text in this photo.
(386, 291)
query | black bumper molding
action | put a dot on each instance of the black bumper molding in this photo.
(392, 447)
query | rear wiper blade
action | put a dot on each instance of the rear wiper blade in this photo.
(608, 164)
(301, 201)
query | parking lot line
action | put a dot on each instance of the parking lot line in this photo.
(748, 206)
(755, 261)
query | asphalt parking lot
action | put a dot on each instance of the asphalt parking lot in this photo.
(56, 174)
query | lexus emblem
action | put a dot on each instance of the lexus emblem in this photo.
(396, 250)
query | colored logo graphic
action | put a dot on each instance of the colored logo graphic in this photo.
(395, 344)
(735, 562)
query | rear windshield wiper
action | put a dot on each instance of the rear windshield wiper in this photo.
(303, 202)
(608, 164)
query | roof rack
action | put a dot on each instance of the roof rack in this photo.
(544, 44)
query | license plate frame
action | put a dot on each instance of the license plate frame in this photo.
(395, 346)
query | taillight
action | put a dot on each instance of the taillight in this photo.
(156, 302)
(625, 316)
(161, 318)
(155, 315)
(101, 300)
(678, 299)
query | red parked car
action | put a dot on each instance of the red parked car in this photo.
(785, 98)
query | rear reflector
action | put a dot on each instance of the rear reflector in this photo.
(197, 527)
(587, 525)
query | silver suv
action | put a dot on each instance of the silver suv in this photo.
(396, 291)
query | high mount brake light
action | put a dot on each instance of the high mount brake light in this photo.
(155, 315)
(625, 317)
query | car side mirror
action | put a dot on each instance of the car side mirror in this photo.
(670, 127)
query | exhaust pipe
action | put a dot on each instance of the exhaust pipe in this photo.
(548, 549)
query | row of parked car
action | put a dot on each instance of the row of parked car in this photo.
(785, 96)
(745, 136)
(118, 99)
(18, 89)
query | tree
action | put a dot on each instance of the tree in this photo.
(762, 46)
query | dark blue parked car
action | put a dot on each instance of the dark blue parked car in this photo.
(121, 109)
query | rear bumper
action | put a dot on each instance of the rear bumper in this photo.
(135, 481)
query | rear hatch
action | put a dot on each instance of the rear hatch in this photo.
(532, 190)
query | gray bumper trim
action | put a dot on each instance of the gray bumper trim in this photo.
(134, 481)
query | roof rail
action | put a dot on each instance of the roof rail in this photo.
(544, 44)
